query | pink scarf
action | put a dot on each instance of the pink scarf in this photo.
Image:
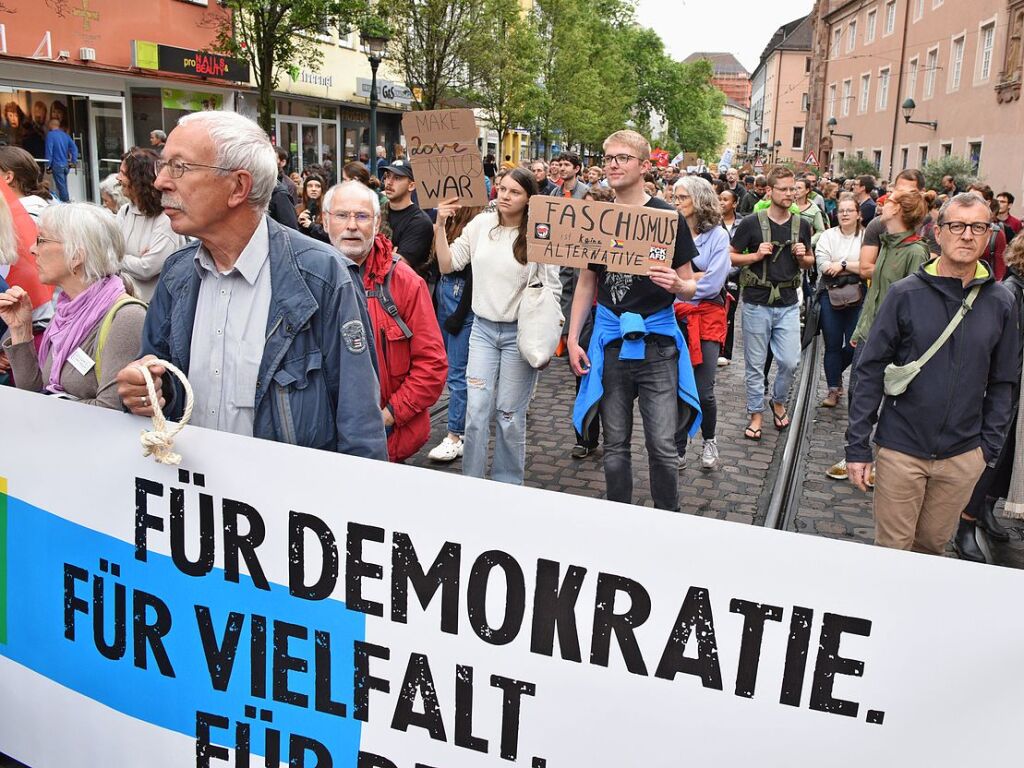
(73, 320)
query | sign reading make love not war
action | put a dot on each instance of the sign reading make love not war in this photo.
(623, 238)
(442, 149)
(265, 605)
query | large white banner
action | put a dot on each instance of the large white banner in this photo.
(265, 605)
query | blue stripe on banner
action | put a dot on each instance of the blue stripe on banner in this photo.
(40, 545)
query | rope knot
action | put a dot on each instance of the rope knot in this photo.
(159, 441)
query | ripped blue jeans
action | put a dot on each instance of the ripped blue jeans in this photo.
(498, 386)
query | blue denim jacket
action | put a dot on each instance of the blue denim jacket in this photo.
(317, 384)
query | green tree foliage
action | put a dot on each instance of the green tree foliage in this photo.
(858, 166)
(504, 66)
(694, 108)
(960, 168)
(278, 37)
(434, 41)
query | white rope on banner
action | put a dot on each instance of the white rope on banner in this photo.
(159, 441)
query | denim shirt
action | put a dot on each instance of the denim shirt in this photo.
(317, 384)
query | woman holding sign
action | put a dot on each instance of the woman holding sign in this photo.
(498, 380)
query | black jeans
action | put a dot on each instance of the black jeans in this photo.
(705, 378)
(654, 380)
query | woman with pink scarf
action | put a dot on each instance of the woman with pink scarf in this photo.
(80, 250)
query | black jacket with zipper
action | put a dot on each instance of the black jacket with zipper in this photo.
(961, 398)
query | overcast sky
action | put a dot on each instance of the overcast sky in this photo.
(741, 27)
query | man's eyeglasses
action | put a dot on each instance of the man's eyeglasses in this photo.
(361, 217)
(618, 159)
(978, 228)
(178, 168)
(40, 240)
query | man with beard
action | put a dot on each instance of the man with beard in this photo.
(411, 229)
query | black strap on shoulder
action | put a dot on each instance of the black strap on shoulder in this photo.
(383, 295)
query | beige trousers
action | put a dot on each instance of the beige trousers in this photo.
(918, 501)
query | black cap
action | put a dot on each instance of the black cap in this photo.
(400, 168)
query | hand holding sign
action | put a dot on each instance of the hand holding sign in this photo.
(446, 209)
(444, 156)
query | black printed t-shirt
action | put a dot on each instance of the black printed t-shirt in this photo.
(623, 293)
(747, 239)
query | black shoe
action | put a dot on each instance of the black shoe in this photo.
(581, 451)
(988, 523)
(966, 544)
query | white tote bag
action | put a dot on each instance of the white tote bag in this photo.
(540, 321)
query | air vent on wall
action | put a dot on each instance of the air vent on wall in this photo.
(87, 54)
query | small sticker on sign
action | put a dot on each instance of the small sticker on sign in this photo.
(658, 254)
(542, 231)
(354, 335)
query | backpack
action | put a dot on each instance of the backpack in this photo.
(383, 294)
(750, 278)
(108, 320)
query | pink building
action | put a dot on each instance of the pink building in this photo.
(779, 95)
(959, 63)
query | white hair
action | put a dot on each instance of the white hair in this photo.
(353, 184)
(8, 235)
(241, 145)
(88, 232)
(112, 187)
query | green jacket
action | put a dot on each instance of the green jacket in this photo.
(901, 255)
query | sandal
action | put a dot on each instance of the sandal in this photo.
(752, 434)
(781, 420)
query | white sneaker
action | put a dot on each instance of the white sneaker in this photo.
(723, 361)
(447, 450)
(709, 456)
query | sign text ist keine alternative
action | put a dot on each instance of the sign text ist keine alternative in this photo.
(624, 238)
(442, 149)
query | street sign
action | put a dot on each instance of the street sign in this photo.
(811, 159)
(758, 166)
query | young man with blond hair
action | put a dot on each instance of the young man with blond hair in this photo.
(618, 367)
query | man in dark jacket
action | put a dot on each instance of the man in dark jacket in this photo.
(936, 438)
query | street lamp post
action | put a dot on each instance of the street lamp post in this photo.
(373, 47)
(908, 108)
(775, 150)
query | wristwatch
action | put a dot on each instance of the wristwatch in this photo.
(843, 264)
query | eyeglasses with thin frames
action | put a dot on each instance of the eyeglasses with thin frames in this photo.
(361, 217)
(177, 168)
(40, 240)
(622, 159)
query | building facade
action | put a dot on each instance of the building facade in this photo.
(779, 95)
(112, 75)
(730, 77)
(959, 63)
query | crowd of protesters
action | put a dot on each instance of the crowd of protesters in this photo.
(333, 315)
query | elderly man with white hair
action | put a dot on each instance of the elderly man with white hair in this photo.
(407, 338)
(269, 325)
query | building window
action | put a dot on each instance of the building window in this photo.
(974, 153)
(904, 159)
(869, 28)
(923, 156)
(837, 42)
(847, 96)
(805, 103)
(890, 17)
(832, 100)
(911, 77)
(883, 89)
(956, 63)
(842, 158)
(918, 9)
(947, 150)
(988, 36)
(851, 36)
(860, 154)
(930, 68)
(807, 64)
(877, 159)
(798, 137)
(865, 91)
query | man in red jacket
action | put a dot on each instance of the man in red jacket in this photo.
(410, 353)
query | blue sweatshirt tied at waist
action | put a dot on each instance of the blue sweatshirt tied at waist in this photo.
(632, 328)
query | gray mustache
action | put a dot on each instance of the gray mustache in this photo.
(166, 201)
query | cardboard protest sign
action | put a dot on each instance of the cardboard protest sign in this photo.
(624, 238)
(441, 145)
(267, 605)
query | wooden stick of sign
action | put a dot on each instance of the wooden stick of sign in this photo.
(444, 156)
(577, 233)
